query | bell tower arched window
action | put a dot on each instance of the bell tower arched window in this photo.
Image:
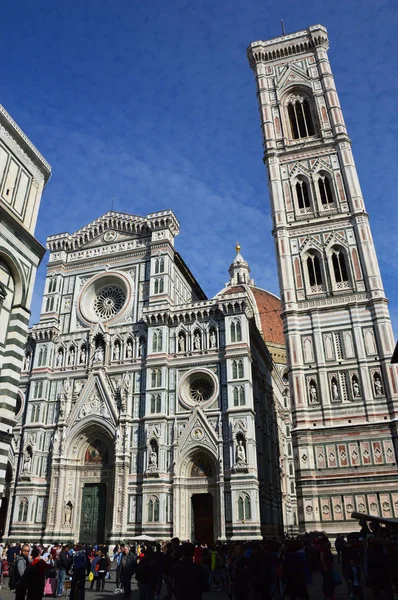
(314, 270)
(339, 268)
(300, 117)
(303, 197)
(325, 191)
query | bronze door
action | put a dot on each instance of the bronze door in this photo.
(203, 525)
(92, 522)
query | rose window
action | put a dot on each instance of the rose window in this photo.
(109, 301)
(198, 387)
(201, 390)
(106, 297)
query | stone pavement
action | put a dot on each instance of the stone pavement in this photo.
(315, 591)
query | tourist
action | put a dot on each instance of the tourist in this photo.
(378, 576)
(63, 564)
(79, 569)
(117, 558)
(103, 568)
(171, 556)
(189, 579)
(294, 571)
(354, 579)
(128, 563)
(33, 578)
(339, 544)
(93, 567)
(22, 561)
(259, 573)
(146, 575)
(238, 573)
(326, 565)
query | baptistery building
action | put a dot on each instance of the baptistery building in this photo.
(145, 406)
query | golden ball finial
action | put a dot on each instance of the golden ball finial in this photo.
(237, 247)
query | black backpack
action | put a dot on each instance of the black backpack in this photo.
(14, 575)
(143, 572)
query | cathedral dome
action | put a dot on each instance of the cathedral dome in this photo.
(267, 306)
(269, 309)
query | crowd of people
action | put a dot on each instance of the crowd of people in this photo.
(268, 570)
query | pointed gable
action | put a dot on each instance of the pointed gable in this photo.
(95, 398)
(198, 433)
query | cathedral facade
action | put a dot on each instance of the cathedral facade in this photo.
(338, 333)
(147, 407)
(23, 175)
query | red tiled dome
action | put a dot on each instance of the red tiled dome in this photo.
(269, 308)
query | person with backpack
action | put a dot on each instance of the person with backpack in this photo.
(146, 575)
(79, 569)
(33, 578)
(94, 568)
(63, 564)
(17, 571)
(189, 578)
(103, 568)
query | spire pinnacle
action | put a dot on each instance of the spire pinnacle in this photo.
(239, 270)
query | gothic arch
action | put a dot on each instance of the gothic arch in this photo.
(314, 270)
(187, 461)
(20, 285)
(300, 112)
(90, 427)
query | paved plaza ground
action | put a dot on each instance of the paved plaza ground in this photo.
(315, 592)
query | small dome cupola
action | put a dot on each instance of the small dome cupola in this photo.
(239, 270)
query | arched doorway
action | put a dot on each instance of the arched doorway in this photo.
(94, 493)
(198, 501)
(85, 506)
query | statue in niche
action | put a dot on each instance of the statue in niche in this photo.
(313, 392)
(67, 387)
(153, 459)
(355, 388)
(377, 385)
(68, 514)
(27, 461)
(197, 341)
(142, 350)
(181, 343)
(213, 340)
(116, 351)
(71, 360)
(98, 354)
(129, 349)
(27, 362)
(82, 357)
(335, 390)
(60, 358)
(240, 453)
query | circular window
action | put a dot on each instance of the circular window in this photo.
(201, 389)
(109, 302)
(198, 388)
(105, 297)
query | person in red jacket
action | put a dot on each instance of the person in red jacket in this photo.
(33, 579)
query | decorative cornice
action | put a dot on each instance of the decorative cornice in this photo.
(300, 42)
(111, 220)
(46, 331)
(26, 148)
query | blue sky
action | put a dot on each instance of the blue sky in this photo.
(154, 103)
